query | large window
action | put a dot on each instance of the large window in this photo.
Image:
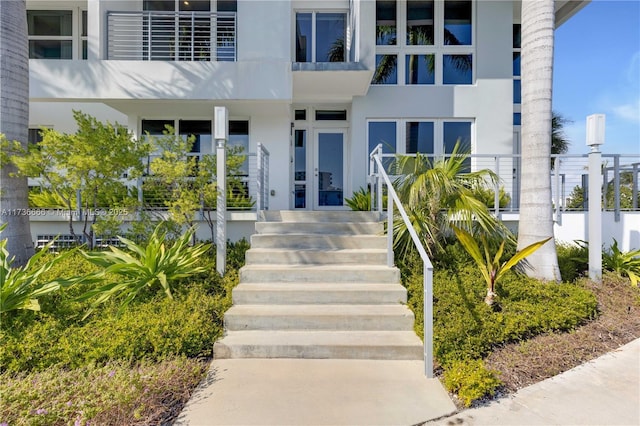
(517, 76)
(426, 136)
(424, 42)
(50, 34)
(320, 36)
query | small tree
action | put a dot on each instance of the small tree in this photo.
(91, 162)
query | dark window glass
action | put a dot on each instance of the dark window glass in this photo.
(156, 127)
(328, 115)
(50, 49)
(303, 37)
(330, 33)
(35, 136)
(517, 92)
(457, 69)
(419, 137)
(300, 157)
(516, 36)
(159, 5)
(50, 22)
(239, 136)
(386, 70)
(420, 69)
(517, 118)
(458, 133)
(457, 22)
(195, 6)
(419, 22)
(516, 64)
(227, 5)
(383, 132)
(84, 23)
(386, 23)
(201, 132)
(301, 114)
(85, 49)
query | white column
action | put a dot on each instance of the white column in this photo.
(221, 132)
(595, 138)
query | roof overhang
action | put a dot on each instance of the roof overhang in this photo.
(565, 9)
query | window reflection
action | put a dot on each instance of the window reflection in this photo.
(303, 37)
(420, 138)
(516, 63)
(383, 132)
(386, 70)
(458, 133)
(517, 92)
(330, 35)
(457, 69)
(419, 22)
(457, 22)
(386, 23)
(420, 69)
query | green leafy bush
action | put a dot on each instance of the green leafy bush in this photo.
(624, 264)
(144, 267)
(573, 260)
(470, 380)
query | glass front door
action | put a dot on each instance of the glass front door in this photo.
(329, 169)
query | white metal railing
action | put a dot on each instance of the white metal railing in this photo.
(620, 176)
(171, 36)
(379, 177)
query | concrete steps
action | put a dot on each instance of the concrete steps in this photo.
(316, 285)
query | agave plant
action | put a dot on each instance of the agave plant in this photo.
(490, 267)
(144, 267)
(21, 287)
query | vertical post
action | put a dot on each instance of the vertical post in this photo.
(634, 187)
(428, 319)
(221, 132)
(389, 230)
(260, 178)
(496, 188)
(595, 138)
(378, 177)
(556, 173)
(616, 187)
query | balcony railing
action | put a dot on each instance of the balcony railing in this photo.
(171, 36)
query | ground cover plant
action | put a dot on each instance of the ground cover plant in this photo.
(137, 365)
(481, 350)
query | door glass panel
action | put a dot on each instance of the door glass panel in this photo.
(300, 168)
(330, 169)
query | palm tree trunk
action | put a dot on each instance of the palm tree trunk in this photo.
(14, 123)
(536, 215)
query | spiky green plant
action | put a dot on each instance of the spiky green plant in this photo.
(623, 263)
(21, 287)
(490, 267)
(144, 267)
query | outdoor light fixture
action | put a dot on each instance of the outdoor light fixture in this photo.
(595, 130)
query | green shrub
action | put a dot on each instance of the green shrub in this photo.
(573, 260)
(470, 380)
(624, 264)
(150, 330)
(360, 201)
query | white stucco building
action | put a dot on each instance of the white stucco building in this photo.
(318, 83)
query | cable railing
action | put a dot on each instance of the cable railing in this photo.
(380, 178)
(569, 181)
(171, 36)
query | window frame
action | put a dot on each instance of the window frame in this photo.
(438, 133)
(517, 107)
(314, 13)
(402, 50)
(76, 37)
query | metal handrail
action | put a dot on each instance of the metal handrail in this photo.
(378, 173)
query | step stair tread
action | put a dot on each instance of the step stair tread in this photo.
(322, 337)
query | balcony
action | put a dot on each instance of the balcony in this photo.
(171, 36)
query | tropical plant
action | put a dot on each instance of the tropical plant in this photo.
(360, 201)
(623, 264)
(14, 123)
(144, 267)
(559, 141)
(490, 266)
(20, 287)
(536, 220)
(437, 194)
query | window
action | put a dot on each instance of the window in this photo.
(83, 35)
(517, 76)
(331, 115)
(35, 136)
(50, 34)
(424, 42)
(428, 136)
(320, 36)
(239, 137)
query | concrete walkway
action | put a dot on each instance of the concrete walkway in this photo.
(316, 392)
(605, 391)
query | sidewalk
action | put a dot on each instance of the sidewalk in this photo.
(316, 392)
(605, 391)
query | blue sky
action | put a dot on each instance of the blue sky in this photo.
(597, 70)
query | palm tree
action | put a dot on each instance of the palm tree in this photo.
(14, 122)
(437, 194)
(536, 220)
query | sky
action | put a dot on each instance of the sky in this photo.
(597, 71)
